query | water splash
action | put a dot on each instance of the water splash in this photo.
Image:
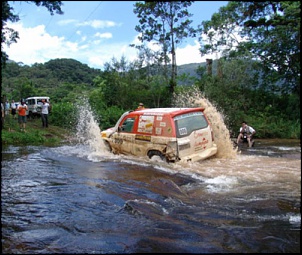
(194, 98)
(88, 130)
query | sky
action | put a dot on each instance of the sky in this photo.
(92, 32)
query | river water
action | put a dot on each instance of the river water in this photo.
(79, 198)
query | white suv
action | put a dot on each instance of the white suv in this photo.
(34, 105)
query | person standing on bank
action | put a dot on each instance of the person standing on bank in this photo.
(2, 115)
(7, 108)
(13, 107)
(248, 131)
(22, 108)
(44, 113)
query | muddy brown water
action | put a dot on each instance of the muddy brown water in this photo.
(78, 199)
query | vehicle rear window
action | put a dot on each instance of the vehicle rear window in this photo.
(186, 123)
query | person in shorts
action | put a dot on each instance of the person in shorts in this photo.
(22, 115)
(13, 107)
(248, 131)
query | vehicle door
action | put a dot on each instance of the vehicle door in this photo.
(145, 127)
(30, 106)
(123, 139)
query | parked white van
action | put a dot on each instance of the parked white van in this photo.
(171, 134)
(34, 105)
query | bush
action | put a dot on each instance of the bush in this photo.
(63, 115)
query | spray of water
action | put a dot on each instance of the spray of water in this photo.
(194, 98)
(88, 131)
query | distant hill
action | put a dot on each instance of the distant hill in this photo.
(71, 70)
(59, 76)
(189, 69)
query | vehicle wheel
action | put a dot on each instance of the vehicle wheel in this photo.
(107, 146)
(156, 156)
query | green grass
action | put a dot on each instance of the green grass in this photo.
(34, 134)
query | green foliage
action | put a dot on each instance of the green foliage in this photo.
(236, 93)
(110, 116)
(63, 114)
(32, 138)
(234, 88)
(34, 135)
(60, 79)
(167, 23)
(232, 92)
(271, 32)
(70, 71)
(270, 126)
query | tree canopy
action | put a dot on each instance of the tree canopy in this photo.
(266, 31)
(168, 24)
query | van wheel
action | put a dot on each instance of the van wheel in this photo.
(157, 156)
(108, 147)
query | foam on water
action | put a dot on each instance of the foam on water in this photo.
(221, 183)
(295, 219)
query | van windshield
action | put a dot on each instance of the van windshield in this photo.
(186, 123)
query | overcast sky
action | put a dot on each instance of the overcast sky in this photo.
(92, 32)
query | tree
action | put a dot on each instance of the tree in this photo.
(157, 90)
(269, 32)
(8, 35)
(151, 62)
(168, 24)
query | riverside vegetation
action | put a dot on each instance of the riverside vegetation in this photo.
(112, 92)
(63, 122)
(34, 135)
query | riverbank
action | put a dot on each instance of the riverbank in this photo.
(34, 133)
(54, 135)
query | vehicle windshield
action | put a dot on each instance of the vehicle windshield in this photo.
(186, 123)
(127, 125)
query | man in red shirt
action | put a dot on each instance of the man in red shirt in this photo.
(22, 115)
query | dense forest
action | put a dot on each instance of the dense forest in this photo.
(256, 80)
(112, 92)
